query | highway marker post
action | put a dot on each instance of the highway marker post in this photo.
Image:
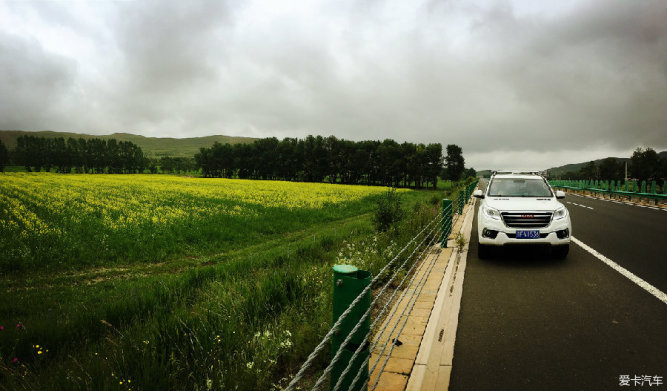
(446, 221)
(348, 283)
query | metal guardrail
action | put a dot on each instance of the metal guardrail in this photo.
(628, 189)
(447, 207)
(428, 235)
(349, 336)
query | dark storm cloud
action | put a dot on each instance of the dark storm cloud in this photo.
(33, 83)
(167, 50)
(596, 75)
(498, 78)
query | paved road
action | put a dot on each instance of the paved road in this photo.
(532, 322)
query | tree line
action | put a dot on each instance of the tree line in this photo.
(317, 159)
(312, 159)
(81, 155)
(645, 165)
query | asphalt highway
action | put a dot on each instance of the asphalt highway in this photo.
(529, 321)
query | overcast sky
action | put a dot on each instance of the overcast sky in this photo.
(518, 84)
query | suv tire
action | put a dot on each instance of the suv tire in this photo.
(560, 252)
(483, 251)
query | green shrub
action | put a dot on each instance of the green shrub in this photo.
(388, 211)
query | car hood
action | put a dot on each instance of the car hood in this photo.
(523, 203)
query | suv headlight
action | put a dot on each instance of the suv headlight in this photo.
(491, 213)
(560, 213)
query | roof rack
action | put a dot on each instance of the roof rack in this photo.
(540, 173)
(501, 172)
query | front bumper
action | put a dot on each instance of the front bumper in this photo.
(549, 235)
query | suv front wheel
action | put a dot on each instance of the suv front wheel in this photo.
(483, 251)
(561, 251)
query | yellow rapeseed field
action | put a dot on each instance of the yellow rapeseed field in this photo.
(95, 210)
(122, 200)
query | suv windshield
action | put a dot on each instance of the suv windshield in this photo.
(515, 187)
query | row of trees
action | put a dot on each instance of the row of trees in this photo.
(316, 158)
(173, 165)
(313, 159)
(644, 165)
(4, 156)
(83, 155)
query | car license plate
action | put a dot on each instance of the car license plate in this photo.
(530, 234)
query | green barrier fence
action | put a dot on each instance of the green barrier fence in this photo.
(619, 188)
(448, 210)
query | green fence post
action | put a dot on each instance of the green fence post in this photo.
(348, 283)
(446, 222)
(461, 202)
(643, 187)
(653, 187)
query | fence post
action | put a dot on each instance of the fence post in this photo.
(643, 190)
(348, 283)
(446, 222)
(461, 202)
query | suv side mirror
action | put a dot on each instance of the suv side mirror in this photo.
(560, 194)
(478, 194)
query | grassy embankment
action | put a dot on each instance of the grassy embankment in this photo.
(205, 298)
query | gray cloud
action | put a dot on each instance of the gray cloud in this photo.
(499, 79)
(34, 83)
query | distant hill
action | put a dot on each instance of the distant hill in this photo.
(555, 171)
(484, 174)
(152, 146)
(576, 166)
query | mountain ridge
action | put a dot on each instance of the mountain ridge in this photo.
(152, 146)
(559, 170)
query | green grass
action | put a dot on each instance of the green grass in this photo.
(244, 316)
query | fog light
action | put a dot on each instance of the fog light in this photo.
(563, 233)
(489, 233)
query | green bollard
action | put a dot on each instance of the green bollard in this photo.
(446, 222)
(348, 283)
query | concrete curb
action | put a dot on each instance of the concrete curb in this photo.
(433, 365)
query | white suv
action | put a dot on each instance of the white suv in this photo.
(520, 208)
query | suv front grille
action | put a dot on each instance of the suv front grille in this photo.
(526, 219)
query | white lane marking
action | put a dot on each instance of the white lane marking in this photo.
(657, 293)
(583, 206)
(616, 202)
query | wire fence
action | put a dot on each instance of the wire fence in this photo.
(416, 260)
